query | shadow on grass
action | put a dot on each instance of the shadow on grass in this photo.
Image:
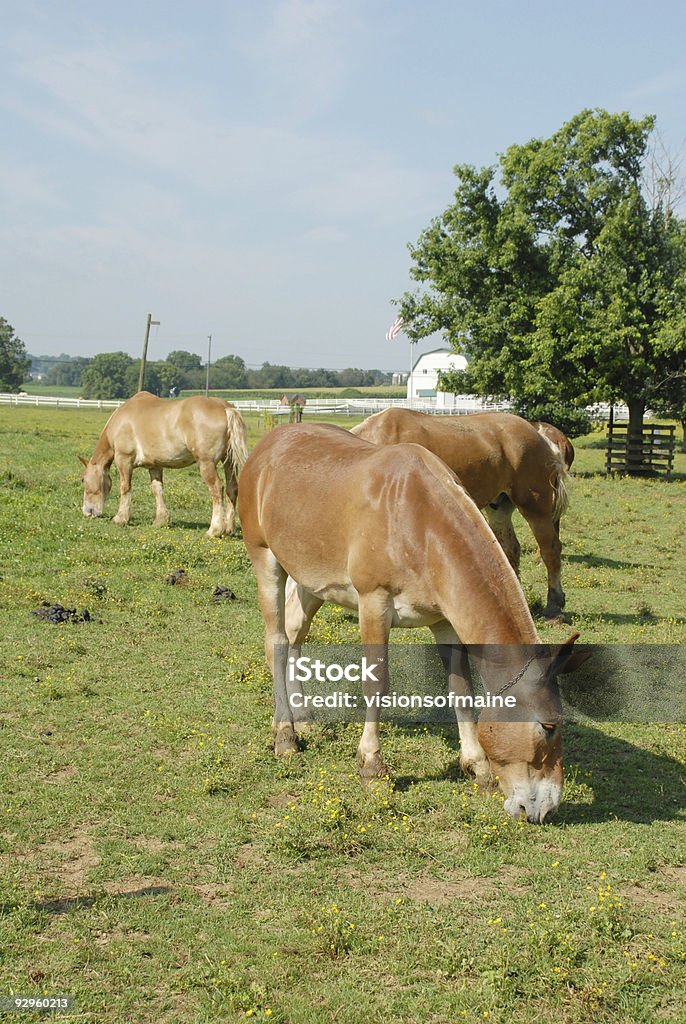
(596, 474)
(626, 618)
(628, 783)
(187, 524)
(203, 527)
(66, 904)
(598, 561)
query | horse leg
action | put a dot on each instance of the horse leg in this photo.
(547, 534)
(271, 584)
(473, 760)
(231, 493)
(499, 516)
(208, 471)
(301, 608)
(157, 488)
(124, 464)
(375, 624)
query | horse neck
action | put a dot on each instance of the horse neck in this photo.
(478, 590)
(104, 452)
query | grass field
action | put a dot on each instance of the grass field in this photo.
(159, 864)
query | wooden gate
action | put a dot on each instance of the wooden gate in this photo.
(650, 453)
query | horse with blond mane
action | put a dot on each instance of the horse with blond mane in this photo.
(504, 463)
(159, 434)
(391, 533)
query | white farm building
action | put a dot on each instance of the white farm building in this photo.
(424, 377)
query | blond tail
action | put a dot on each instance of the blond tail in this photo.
(559, 480)
(237, 450)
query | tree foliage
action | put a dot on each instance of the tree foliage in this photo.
(14, 361)
(109, 376)
(559, 281)
(67, 373)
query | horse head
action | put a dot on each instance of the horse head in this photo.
(524, 743)
(96, 487)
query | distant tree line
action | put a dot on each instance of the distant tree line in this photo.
(115, 374)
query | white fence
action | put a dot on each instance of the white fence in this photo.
(321, 406)
(465, 404)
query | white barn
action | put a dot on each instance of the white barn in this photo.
(424, 377)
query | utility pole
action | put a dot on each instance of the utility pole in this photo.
(148, 325)
(207, 371)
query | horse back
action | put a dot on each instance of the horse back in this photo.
(489, 452)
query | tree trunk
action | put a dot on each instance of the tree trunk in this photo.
(637, 408)
(683, 431)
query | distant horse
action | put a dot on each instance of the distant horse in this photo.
(559, 439)
(391, 532)
(160, 434)
(504, 463)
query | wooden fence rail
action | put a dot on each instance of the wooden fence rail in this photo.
(650, 452)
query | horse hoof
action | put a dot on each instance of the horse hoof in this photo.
(372, 768)
(119, 521)
(554, 614)
(285, 742)
(479, 771)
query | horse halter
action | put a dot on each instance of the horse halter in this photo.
(513, 682)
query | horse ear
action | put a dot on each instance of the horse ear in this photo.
(84, 461)
(567, 658)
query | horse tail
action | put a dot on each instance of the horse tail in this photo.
(559, 479)
(237, 446)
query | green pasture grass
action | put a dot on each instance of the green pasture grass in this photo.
(37, 387)
(160, 864)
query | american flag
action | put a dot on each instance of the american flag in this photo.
(395, 329)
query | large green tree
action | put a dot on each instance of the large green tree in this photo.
(557, 278)
(14, 361)
(228, 372)
(109, 376)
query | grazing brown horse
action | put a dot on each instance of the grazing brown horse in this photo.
(160, 434)
(391, 533)
(503, 462)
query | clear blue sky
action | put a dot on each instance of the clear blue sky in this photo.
(256, 170)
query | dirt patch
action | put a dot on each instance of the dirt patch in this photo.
(669, 903)
(248, 857)
(280, 800)
(78, 858)
(675, 874)
(104, 938)
(151, 844)
(437, 889)
(214, 894)
(427, 889)
(138, 885)
(62, 774)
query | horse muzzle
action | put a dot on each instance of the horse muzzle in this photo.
(538, 806)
